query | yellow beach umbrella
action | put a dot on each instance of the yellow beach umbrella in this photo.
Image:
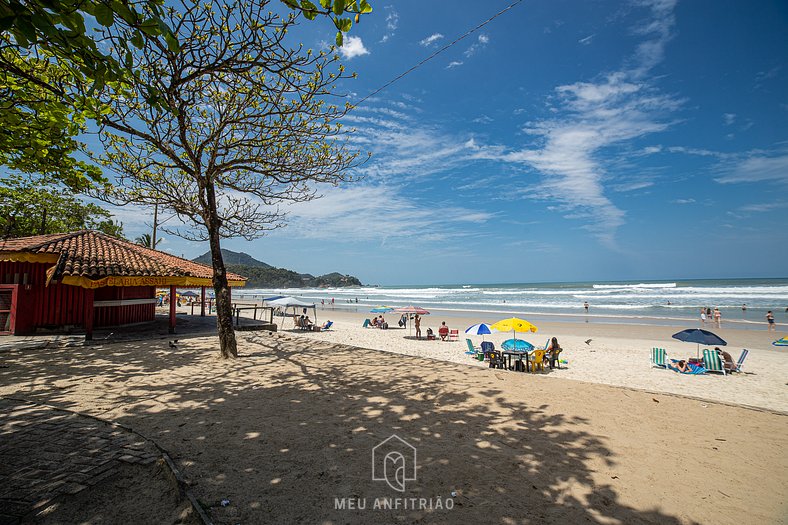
(514, 324)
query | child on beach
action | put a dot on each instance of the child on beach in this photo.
(703, 315)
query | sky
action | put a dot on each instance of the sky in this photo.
(561, 141)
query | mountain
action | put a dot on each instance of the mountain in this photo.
(262, 275)
(235, 258)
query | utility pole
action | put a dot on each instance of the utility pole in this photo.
(155, 223)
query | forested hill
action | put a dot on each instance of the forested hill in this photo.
(262, 275)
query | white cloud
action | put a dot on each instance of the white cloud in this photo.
(484, 119)
(757, 167)
(392, 21)
(763, 208)
(454, 63)
(377, 213)
(481, 41)
(431, 39)
(729, 118)
(592, 117)
(587, 40)
(682, 201)
(353, 47)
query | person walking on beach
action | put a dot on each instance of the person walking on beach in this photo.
(717, 317)
(703, 315)
(417, 323)
(770, 320)
(585, 305)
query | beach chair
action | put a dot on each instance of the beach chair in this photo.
(472, 350)
(659, 358)
(367, 322)
(487, 347)
(712, 361)
(497, 360)
(742, 357)
(553, 358)
(326, 326)
(454, 335)
(536, 358)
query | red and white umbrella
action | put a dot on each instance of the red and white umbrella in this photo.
(411, 310)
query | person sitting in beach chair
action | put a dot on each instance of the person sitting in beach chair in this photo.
(443, 331)
(326, 325)
(382, 324)
(552, 352)
(430, 334)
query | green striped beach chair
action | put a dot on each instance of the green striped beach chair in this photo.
(659, 357)
(712, 361)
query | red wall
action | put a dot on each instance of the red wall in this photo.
(59, 304)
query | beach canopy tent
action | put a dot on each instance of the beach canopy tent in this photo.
(297, 305)
(87, 278)
(273, 298)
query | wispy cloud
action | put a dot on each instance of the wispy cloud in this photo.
(483, 119)
(763, 207)
(392, 21)
(431, 39)
(757, 167)
(728, 118)
(595, 116)
(454, 63)
(388, 215)
(683, 201)
(481, 41)
(587, 40)
(353, 47)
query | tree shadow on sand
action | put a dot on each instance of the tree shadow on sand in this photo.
(288, 429)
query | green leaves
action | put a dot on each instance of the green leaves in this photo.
(104, 15)
(337, 8)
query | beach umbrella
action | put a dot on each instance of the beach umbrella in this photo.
(696, 335)
(518, 345)
(411, 310)
(381, 310)
(515, 324)
(479, 329)
(781, 342)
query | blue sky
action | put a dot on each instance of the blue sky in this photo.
(563, 141)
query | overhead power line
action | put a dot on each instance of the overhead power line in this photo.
(438, 52)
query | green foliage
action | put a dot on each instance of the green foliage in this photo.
(146, 240)
(261, 277)
(39, 206)
(58, 28)
(38, 127)
(334, 9)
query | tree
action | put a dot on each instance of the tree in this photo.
(41, 205)
(146, 240)
(333, 9)
(249, 125)
(39, 128)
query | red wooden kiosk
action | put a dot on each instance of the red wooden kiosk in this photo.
(89, 279)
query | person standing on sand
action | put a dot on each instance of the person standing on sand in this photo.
(770, 320)
(417, 323)
(585, 305)
(717, 317)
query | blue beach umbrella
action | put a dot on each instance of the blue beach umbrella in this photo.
(518, 345)
(479, 329)
(696, 335)
(781, 342)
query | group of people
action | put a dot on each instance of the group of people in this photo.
(379, 322)
(707, 315)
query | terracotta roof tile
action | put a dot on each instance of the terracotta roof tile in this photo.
(95, 255)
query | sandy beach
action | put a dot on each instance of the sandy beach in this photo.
(617, 354)
(286, 431)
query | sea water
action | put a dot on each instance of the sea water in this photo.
(647, 301)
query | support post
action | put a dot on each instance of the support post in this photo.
(202, 302)
(173, 304)
(89, 311)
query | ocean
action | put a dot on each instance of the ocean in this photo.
(631, 301)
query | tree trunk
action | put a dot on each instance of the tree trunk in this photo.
(224, 312)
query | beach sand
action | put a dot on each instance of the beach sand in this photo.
(617, 355)
(286, 431)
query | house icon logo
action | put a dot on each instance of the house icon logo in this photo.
(394, 461)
